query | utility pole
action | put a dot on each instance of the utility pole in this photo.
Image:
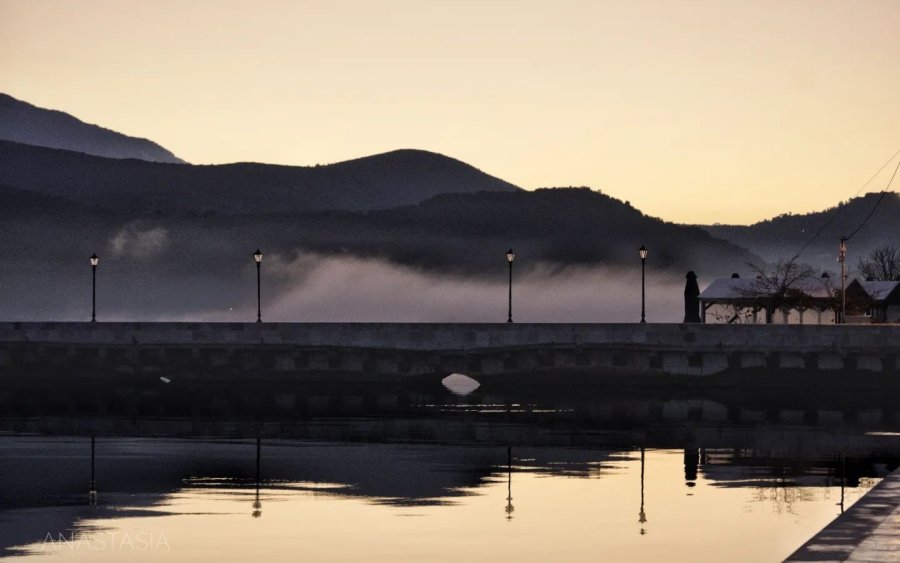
(510, 256)
(842, 258)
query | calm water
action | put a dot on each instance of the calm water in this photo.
(167, 499)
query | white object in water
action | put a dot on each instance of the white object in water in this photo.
(460, 384)
(165, 380)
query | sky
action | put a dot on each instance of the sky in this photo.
(693, 111)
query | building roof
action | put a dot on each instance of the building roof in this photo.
(733, 289)
(727, 288)
(879, 290)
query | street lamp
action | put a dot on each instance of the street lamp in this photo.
(510, 256)
(258, 257)
(643, 253)
(94, 261)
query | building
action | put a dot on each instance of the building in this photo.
(748, 301)
(815, 301)
(873, 301)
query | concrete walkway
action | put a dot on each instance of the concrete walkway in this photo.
(868, 531)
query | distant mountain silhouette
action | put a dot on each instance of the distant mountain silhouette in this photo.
(24, 123)
(783, 236)
(402, 177)
(563, 226)
(559, 227)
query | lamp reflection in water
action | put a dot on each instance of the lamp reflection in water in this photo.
(257, 505)
(92, 494)
(843, 479)
(509, 505)
(642, 516)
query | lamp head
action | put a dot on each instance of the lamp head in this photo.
(95, 260)
(258, 256)
(643, 252)
(510, 255)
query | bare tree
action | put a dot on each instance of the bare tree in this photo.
(781, 286)
(883, 263)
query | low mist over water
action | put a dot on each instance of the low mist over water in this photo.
(336, 289)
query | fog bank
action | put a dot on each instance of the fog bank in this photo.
(333, 289)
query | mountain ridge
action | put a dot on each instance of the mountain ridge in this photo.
(26, 123)
(784, 235)
(386, 180)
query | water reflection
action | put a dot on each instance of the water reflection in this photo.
(340, 501)
(843, 479)
(642, 516)
(691, 461)
(257, 505)
(509, 506)
(92, 492)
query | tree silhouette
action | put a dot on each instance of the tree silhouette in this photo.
(883, 263)
(781, 287)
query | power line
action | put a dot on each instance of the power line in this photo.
(877, 203)
(883, 166)
(841, 208)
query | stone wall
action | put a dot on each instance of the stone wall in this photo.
(476, 349)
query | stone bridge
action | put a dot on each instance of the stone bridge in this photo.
(429, 348)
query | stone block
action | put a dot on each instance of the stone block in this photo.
(868, 363)
(788, 360)
(830, 361)
(753, 360)
(285, 363)
(830, 417)
(351, 404)
(387, 365)
(491, 365)
(788, 416)
(712, 411)
(871, 417)
(319, 361)
(286, 401)
(351, 361)
(675, 362)
(714, 363)
(564, 359)
(750, 415)
(676, 410)
(317, 404)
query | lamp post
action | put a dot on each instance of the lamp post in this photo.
(258, 256)
(642, 251)
(94, 261)
(510, 256)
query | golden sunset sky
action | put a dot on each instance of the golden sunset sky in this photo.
(694, 111)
